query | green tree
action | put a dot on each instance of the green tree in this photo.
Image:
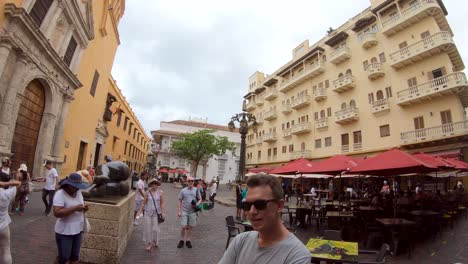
(199, 146)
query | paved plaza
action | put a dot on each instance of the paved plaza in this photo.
(32, 238)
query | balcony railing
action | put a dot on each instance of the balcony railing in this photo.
(369, 40)
(357, 146)
(380, 106)
(320, 94)
(271, 158)
(344, 83)
(339, 55)
(344, 148)
(270, 115)
(250, 105)
(259, 140)
(347, 115)
(286, 108)
(301, 128)
(300, 102)
(454, 82)
(271, 94)
(287, 132)
(259, 119)
(413, 14)
(434, 133)
(259, 100)
(321, 123)
(269, 137)
(428, 47)
(375, 70)
(310, 71)
(301, 154)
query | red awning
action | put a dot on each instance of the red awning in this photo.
(392, 162)
(262, 169)
(431, 160)
(458, 164)
(182, 171)
(450, 154)
(293, 167)
(163, 170)
(173, 171)
(332, 166)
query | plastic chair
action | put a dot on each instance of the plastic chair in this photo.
(232, 229)
(380, 255)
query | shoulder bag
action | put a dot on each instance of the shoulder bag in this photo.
(160, 217)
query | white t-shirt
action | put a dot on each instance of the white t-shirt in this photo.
(6, 196)
(140, 186)
(312, 191)
(214, 188)
(6, 171)
(50, 179)
(71, 224)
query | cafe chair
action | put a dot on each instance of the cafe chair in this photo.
(379, 255)
(232, 229)
(332, 235)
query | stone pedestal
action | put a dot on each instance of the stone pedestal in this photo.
(111, 228)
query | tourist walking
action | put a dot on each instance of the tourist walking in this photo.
(7, 194)
(23, 191)
(139, 196)
(155, 214)
(69, 209)
(6, 166)
(270, 242)
(51, 180)
(214, 189)
(189, 200)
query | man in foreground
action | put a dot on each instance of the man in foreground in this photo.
(189, 200)
(271, 242)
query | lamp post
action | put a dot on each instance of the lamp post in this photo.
(246, 120)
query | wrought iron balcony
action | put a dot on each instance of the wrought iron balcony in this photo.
(302, 128)
(434, 133)
(301, 154)
(344, 83)
(369, 40)
(339, 55)
(344, 148)
(300, 102)
(320, 94)
(309, 72)
(425, 48)
(271, 94)
(413, 14)
(321, 123)
(270, 137)
(375, 70)
(450, 83)
(380, 106)
(357, 146)
(347, 115)
(270, 115)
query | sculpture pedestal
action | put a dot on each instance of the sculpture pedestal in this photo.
(111, 228)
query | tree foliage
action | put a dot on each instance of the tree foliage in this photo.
(200, 146)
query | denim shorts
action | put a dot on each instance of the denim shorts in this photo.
(68, 247)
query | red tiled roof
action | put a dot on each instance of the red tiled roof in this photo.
(198, 124)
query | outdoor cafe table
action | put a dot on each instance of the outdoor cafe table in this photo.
(331, 250)
(395, 222)
(340, 214)
(300, 213)
(423, 213)
(370, 208)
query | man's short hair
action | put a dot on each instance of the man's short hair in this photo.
(266, 180)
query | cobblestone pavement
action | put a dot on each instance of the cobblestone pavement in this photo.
(34, 233)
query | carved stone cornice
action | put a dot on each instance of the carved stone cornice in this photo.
(21, 25)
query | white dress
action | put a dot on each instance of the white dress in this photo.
(150, 225)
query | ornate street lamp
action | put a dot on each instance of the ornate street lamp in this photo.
(246, 120)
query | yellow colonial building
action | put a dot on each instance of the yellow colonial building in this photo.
(56, 91)
(389, 77)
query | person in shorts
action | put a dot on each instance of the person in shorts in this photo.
(139, 196)
(189, 200)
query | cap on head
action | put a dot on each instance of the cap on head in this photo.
(47, 162)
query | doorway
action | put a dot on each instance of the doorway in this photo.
(97, 156)
(81, 156)
(28, 124)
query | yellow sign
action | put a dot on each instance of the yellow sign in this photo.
(331, 249)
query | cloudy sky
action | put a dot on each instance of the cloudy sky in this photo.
(183, 58)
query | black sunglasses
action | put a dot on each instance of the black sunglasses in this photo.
(259, 204)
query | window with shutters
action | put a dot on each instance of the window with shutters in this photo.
(284, 149)
(94, 84)
(412, 82)
(370, 96)
(349, 72)
(259, 155)
(379, 95)
(316, 115)
(425, 34)
(403, 47)
(352, 103)
(446, 117)
(125, 123)
(329, 111)
(328, 142)
(119, 118)
(343, 106)
(275, 151)
(357, 137)
(318, 143)
(345, 139)
(373, 60)
(365, 64)
(388, 91)
(67, 58)
(437, 73)
(327, 83)
(39, 10)
(385, 131)
(382, 57)
(291, 148)
(322, 114)
(130, 129)
(418, 122)
(134, 133)
(303, 146)
(269, 152)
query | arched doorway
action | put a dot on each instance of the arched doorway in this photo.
(28, 124)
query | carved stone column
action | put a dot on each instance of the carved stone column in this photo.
(9, 100)
(5, 50)
(58, 138)
(52, 25)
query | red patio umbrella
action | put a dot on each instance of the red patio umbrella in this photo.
(392, 162)
(434, 161)
(173, 171)
(163, 170)
(294, 167)
(182, 171)
(457, 164)
(332, 166)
